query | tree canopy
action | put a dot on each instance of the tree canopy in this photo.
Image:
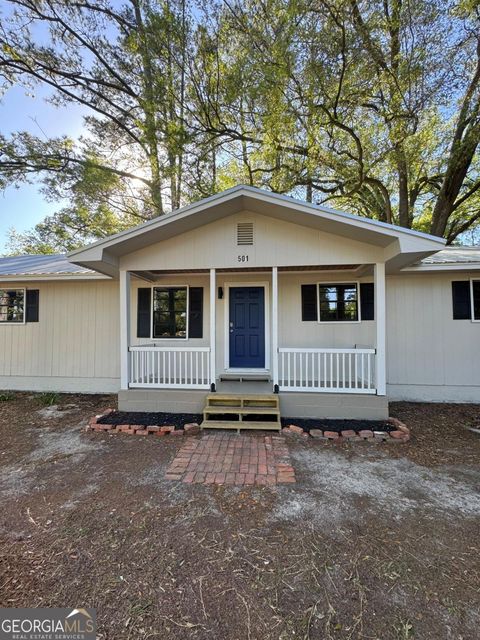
(370, 105)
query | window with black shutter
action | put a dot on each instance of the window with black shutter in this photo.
(165, 316)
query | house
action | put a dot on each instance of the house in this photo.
(248, 289)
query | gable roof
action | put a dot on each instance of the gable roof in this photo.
(48, 266)
(103, 255)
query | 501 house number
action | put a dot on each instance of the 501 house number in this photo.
(243, 258)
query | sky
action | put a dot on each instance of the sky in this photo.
(23, 207)
(28, 110)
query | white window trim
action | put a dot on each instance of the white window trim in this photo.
(327, 283)
(16, 324)
(472, 307)
(187, 324)
(227, 286)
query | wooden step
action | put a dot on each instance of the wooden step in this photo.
(225, 396)
(240, 406)
(243, 411)
(235, 424)
(240, 400)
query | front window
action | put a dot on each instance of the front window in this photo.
(12, 305)
(170, 312)
(338, 302)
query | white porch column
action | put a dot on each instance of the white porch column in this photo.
(380, 324)
(124, 329)
(213, 334)
(275, 328)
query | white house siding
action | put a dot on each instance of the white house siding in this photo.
(430, 356)
(73, 347)
(275, 243)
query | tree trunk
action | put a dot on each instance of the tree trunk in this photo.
(464, 145)
(404, 217)
(457, 170)
(149, 111)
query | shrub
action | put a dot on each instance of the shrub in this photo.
(49, 398)
(6, 396)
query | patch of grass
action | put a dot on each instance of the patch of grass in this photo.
(405, 630)
(49, 398)
(7, 396)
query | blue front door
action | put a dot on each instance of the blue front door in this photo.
(247, 327)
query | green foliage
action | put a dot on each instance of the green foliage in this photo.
(49, 398)
(370, 106)
(6, 396)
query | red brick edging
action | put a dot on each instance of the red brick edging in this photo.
(191, 429)
(401, 434)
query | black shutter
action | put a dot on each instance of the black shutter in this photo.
(462, 309)
(31, 305)
(367, 300)
(309, 302)
(144, 306)
(195, 313)
(476, 299)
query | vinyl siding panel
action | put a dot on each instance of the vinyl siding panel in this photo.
(425, 346)
(75, 345)
(76, 339)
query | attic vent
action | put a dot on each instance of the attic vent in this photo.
(244, 233)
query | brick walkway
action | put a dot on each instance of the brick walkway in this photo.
(225, 458)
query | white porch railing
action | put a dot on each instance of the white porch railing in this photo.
(327, 370)
(169, 367)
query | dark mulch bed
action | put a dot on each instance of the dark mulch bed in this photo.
(179, 419)
(339, 425)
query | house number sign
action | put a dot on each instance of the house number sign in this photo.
(243, 258)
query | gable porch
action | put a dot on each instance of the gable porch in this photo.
(261, 328)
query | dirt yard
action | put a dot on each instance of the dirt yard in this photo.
(374, 541)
